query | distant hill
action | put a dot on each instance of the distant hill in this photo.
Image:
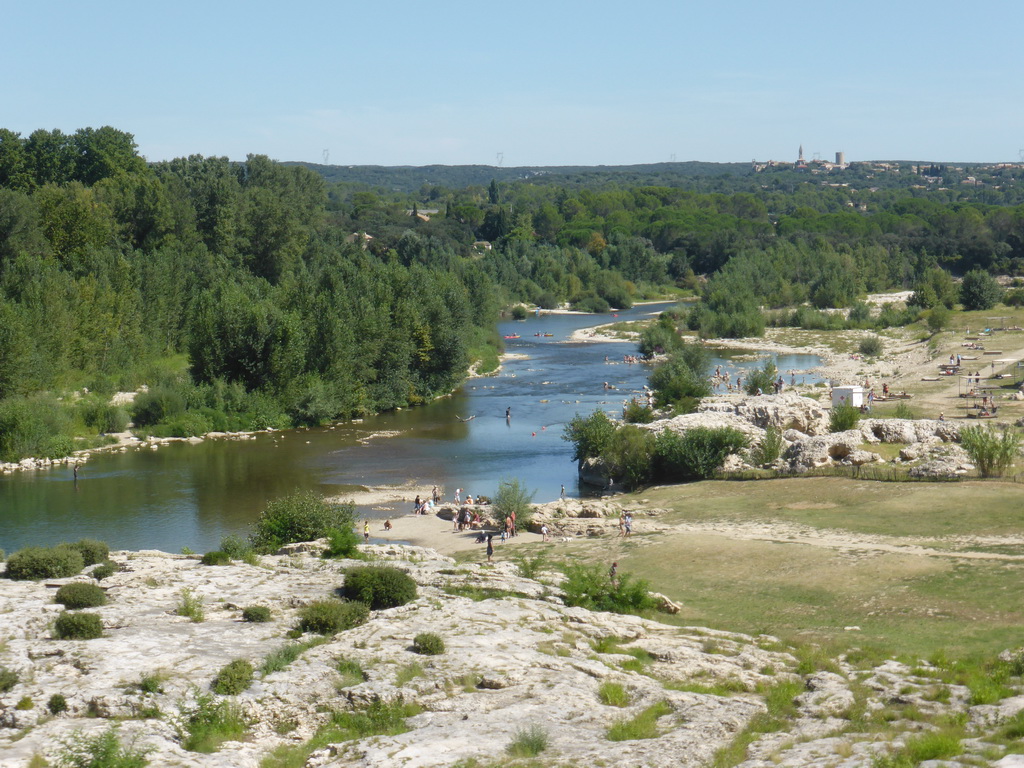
(407, 178)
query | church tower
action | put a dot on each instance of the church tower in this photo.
(800, 159)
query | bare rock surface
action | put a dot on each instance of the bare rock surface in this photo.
(516, 656)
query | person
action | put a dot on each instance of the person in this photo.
(76, 472)
(419, 505)
(469, 499)
(544, 532)
(490, 546)
(629, 524)
(458, 495)
(508, 526)
(512, 517)
(387, 525)
(508, 413)
(436, 495)
(366, 531)
(613, 574)
(622, 526)
(562, 495)
(942, 416)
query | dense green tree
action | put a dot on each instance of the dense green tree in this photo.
(979, 290)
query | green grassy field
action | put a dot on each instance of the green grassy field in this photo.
(809, 559)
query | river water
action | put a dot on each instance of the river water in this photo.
(184, 495)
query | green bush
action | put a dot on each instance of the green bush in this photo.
(78, 626)
(233, 678)
(45, 563)
(904, 411)
(92, 551)
(380, 586)
(992, 451)
(512, 496)
(871, 346)
(636, 413)
(103, 750)
(519, 312)
(428, 644)
(328, 617)
(256, 614)
(843, 417)
(25, 703)
(104, 570)
(629, 455)
(590, 587)
(158, 404)
(979, 290)
(191, 605)
(681, 379)
(80, 594)
(235, 547)
(763, 378)
(767, 452)
(8, 679)
(208, 722)
(696, 454)
(57, 704)
(342, 542)
(216, 557)
(302, 516)
(590, 436)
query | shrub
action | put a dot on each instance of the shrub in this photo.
(103, 750)
(92, 551)
(519, 312)
(904, 411)
(256, 614)
(629, 456)
(191, 605)
(8, 679)
(697, 453)
(511, 496)
(216, 557)
(156, 405)
(428, 644)
(979, 290)
(279, 659)
(380, 586)
(328, 617)
(80, 594)
(45, 563)
(590, 436)
(25, 703)
(302, 516)
(342, 542)
(769, 449)
(78, 626)
(938, 318)
(991, 450)
(57, 704)
(636, 413)
(380, 718)
(233, 678)
(588, 586)
(528, 742)
(104, 570)
(235, 547)
(763, 379)
(871, 346)
(843, 417)
(677, 380)
(209, 722)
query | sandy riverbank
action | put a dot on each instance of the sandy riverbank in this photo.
(434, 533)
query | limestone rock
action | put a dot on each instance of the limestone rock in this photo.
(783, 411)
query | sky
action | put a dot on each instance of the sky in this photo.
(555, 82)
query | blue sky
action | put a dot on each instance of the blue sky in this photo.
(545, 83)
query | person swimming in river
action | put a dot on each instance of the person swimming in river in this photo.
(466, 419)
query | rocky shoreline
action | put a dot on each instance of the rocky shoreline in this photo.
(519, 658)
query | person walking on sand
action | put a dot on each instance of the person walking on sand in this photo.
(366, 531)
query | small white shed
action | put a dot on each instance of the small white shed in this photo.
(848, 396)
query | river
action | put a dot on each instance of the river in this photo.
(185, 495)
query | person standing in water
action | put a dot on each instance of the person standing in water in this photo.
(508, 413)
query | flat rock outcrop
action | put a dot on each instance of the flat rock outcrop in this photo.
(783, 411)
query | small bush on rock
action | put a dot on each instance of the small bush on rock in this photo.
(78, 626)
(588, 586)
(428, 644)
(233, 678)
(843, 417)
(303, 516)
(191, 605)
(45, 563)
(8, 679)
(216, 558)
(209, 722)
(104, 570)
(57, 704)
(328, 617)
(256, 614)
(379, 586)
(92, 551)
(104, 750)
(80, 594)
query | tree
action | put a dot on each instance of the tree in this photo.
(513, 497)
(990, 450)
(979, 290)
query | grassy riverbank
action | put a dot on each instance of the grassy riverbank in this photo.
(905, 569)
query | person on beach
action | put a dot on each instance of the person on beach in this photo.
(512, 516)
(490, 547)
(628, 521)
(419, 505)
(387, 525)
(622, 526)
(436, 495)
(458, 495)
(508, 526)
(366, 531)
(544, 532)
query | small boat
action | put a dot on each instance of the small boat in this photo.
(513, 336)
(549, 335)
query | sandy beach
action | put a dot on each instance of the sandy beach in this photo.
(434, 533)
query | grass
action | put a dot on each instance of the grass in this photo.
(780, 708)
(282, 657)
(934, 745)
(642, 726)
(481, 593)
(191, 605)
(408, 672)
(905, 604)
(613, 695)
(209, 722)
(528, 742)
